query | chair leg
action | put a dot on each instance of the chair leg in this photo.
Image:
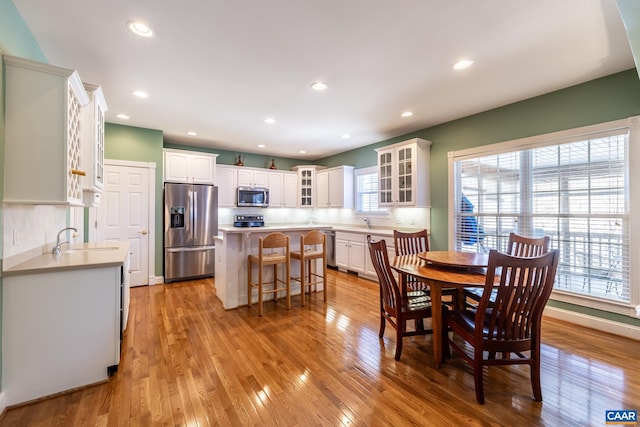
(324, 278)
(249, 279)
(275, 283)
(302, 286)
(382, 324)
(401, 326)
(288, 283)
(477, 375)
(260, 289)
(535, 372)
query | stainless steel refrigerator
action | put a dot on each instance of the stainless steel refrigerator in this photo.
(190, 224)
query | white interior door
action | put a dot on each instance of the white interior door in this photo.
(123, 214)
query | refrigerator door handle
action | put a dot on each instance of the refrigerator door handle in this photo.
(191, 249)
(194, 205)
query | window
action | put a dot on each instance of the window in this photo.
(367, 191)
(573, 186)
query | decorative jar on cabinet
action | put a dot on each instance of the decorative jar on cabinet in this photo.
(43, 133)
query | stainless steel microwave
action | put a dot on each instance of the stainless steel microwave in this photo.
(253, 196)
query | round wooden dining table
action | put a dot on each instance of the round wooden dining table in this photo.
(438, 276)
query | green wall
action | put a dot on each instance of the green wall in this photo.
(141, 145)
(250, 160)
(610, 98)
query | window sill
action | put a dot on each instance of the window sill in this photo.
(624, 309)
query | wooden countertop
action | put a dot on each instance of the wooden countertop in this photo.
(75, 257)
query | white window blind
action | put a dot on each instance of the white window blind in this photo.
(576, 192)
(367, 191)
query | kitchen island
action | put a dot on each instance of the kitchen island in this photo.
(62, 319)
(233, 246)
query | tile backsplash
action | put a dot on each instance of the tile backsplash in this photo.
(29, 228)
(393, 218)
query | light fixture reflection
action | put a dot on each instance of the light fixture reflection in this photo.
(139, 28)
(123, 116)
(319, 86)
(461, 65)
(407, 114)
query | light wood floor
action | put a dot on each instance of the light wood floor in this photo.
(188, 362)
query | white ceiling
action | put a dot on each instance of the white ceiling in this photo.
(220, 67)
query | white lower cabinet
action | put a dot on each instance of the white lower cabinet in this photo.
(61, 330)
(350, 251)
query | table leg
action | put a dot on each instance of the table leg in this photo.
(436, 321)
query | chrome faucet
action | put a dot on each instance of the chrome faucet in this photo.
(368, 222)
(56, 248)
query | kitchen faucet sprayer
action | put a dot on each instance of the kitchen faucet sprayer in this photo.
(56, 248)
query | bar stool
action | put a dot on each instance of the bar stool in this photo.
(272, 250)
(313, 246)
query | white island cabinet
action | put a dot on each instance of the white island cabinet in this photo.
(62, 320)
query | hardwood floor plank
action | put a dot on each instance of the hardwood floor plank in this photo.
(186, 361)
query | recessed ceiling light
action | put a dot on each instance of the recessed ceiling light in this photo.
(192, 133)
(461, 65)
(302, 152)
(346, 136)
(270, 120)
(319, 86)
(139, 28)
(407, 114)
(261, 145)
(123, 116)
(140, 94)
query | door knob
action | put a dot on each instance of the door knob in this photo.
(143, 232)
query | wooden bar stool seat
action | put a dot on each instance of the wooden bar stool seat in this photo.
(272, 250)
(313, 246)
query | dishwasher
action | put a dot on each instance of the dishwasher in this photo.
(331, 248)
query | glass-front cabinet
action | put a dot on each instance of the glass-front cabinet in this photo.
(403, 173)
(307, 185)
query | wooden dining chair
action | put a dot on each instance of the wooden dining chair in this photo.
(519, 246)
(411, 243)
(510, 326)
(395, 307)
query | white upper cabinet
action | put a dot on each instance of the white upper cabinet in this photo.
(227, 182)
(283, 189)
(43, 133)
(189, 166)
(307, 185)
(335, 187)
(403, 173)
(248, 177)
(93, 145)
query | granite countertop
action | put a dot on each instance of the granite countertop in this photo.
(74, 257)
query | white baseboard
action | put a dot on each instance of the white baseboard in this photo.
(158, 280)
(3, 403)
(592, 322)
